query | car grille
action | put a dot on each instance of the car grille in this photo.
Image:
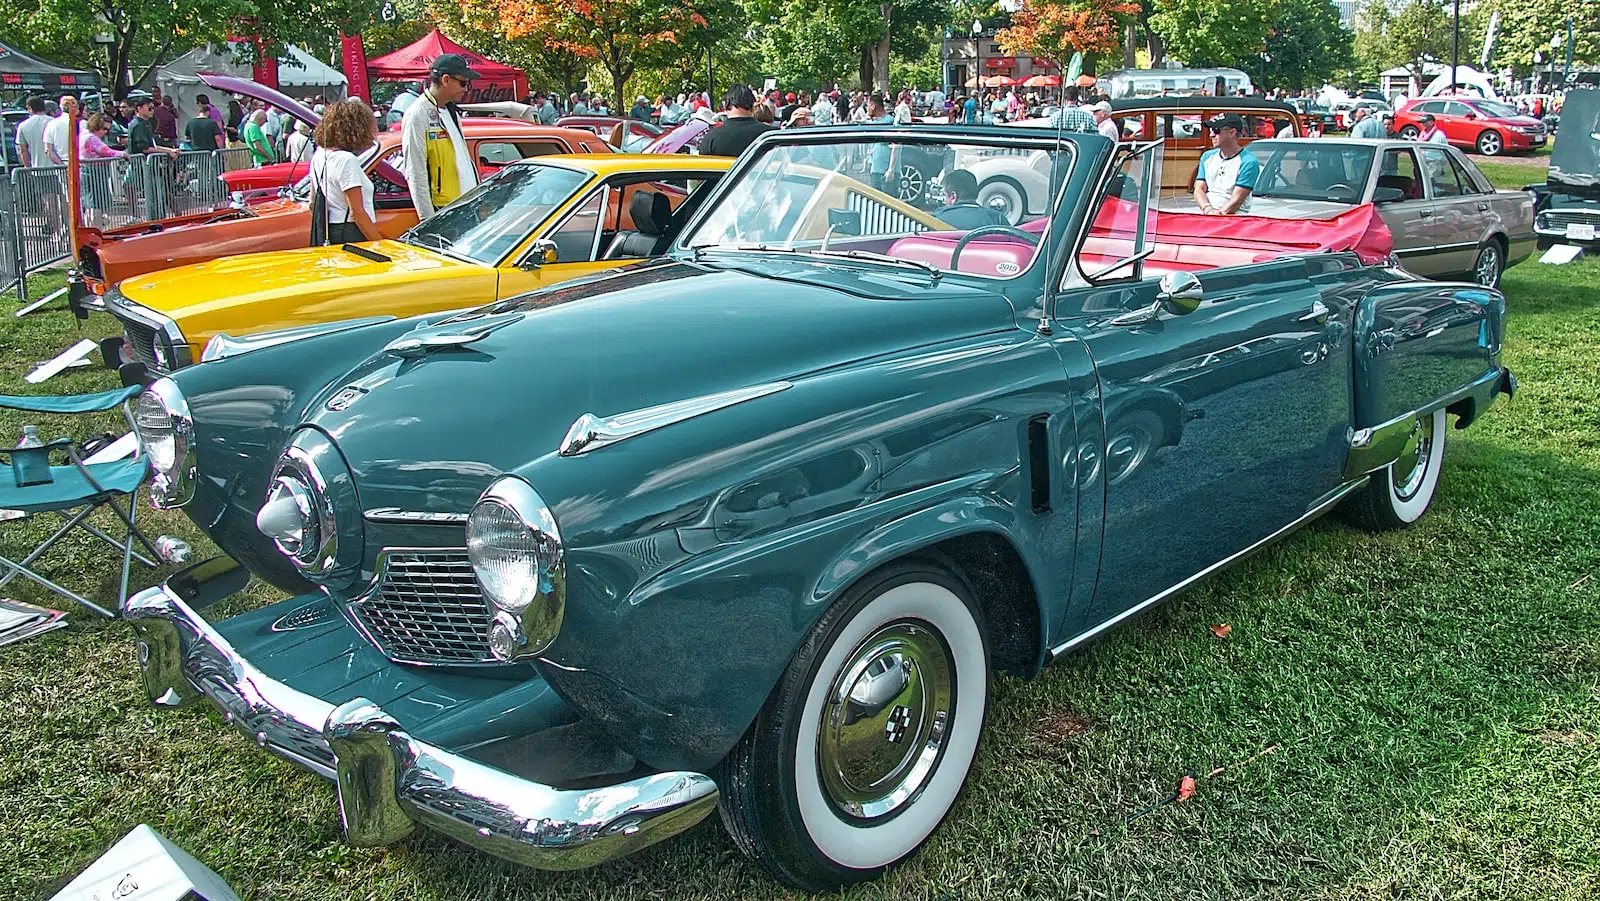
(141, 344)
(426, 608)
(1560, 219)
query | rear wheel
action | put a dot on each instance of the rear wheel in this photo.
(1490, 143)
(1410, 132)
(1490, 264)
(866, 742)
(1401, 492)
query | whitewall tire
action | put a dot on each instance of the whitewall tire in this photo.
(865, 744)
(1401, 492)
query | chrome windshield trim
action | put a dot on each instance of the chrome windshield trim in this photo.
(592, 432)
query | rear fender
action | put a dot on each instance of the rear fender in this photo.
(1420, 347)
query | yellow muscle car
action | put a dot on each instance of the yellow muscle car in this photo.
(533, 224)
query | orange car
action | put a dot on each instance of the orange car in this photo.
(284, 223)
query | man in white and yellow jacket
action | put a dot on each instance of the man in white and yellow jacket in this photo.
(438, 166)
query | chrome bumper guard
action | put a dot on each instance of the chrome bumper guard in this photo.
(388, 781)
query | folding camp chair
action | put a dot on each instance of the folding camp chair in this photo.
(75, 491)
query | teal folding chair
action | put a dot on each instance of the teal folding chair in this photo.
(74, 491)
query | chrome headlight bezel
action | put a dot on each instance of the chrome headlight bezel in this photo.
(526, 620)
(297, 480)
(172, 470)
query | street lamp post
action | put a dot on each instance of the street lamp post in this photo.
(1555, 48)
(1455, 46)
(977, 43)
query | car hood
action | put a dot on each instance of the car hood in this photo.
(648, 335)
(226, 286)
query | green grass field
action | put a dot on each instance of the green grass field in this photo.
(1433, 697)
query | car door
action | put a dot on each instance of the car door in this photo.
(1458, 122)
(1409, 215)
(1221, 425)
(1458, 211)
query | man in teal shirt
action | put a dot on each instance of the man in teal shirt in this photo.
(878, 162)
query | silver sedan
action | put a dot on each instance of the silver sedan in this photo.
(1446, 218)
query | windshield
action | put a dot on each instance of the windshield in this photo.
(487, 222)
(1313, 170)
(1497, 110)
(907, 204)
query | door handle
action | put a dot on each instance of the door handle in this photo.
(1319, 314)
(1424, 214)
(1483, 207)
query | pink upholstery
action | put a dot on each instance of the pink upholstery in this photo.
(997, 255)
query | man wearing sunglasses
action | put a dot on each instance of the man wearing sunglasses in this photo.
(437, 166)
(1227, 174)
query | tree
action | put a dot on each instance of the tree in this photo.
(622, 36)
(1527, 26)
(1371, 45)
(1305, 45)
(1212, 33)
(1058, 28)
(155, 32)
(824, 40)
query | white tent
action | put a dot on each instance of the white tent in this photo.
(299, 73)
(1467, 77)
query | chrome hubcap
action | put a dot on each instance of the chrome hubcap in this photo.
(888, 713)
(1412, 466)
(910, 183)
(1488, 267)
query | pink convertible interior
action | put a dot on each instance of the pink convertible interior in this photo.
(1183, 241)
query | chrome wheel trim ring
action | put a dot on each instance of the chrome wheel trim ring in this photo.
(884, 727)
(1419, 450)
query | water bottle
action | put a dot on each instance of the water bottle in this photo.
(172, 550)
(30, 468)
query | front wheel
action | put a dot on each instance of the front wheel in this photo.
(865, 744)
(1490, 143)
(1401, 492)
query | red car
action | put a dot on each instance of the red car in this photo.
(639, 134)
(1489, 127)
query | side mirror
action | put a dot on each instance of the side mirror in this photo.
(844, 222)
(1180, 293)
(1387, 195)
(541, 252)
(1470, 115)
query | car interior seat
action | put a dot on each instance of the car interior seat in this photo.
(651, 212)
(1407, 185)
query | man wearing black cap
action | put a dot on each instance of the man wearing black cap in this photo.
(438, 167)
(1227, 174)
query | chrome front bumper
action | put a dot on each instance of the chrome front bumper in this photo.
(388, 781)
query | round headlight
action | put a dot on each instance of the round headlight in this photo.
(166, 436)
(516, 553)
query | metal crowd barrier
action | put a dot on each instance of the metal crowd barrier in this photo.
(34, 228)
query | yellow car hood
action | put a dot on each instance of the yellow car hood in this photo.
(263, 291)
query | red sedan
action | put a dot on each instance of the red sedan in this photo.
(1489, 127)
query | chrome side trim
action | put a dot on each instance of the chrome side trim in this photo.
(387, 781)
(223, 345)
(1317, 509)
(412, 517)
(591, 432)
(1377, 446)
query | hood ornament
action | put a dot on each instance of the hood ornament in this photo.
(455, 332)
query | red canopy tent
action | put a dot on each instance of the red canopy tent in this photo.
(411, 62)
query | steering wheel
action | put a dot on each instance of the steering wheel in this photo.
(1341, 186)
(955, 255)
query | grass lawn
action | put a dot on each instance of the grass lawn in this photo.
(1433, 697)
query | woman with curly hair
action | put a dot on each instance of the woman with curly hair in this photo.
(347, 129)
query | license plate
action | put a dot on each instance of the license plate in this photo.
(1581, 231)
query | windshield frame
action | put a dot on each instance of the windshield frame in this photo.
(932, 135)
(519, 247)
(1271, 145)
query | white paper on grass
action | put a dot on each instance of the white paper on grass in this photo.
(61, 361)
(120, 449)
(146, 867)
(1561, 253)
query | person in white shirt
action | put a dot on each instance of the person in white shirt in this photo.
(438, 167)
(822, 111)
(345, 132)
(30, 135)
(56, 139)
(902, 110)
(299, 143)
(1227, 175)
(1431, 133)
(1104, 123)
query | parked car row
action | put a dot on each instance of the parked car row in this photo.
(744, 518)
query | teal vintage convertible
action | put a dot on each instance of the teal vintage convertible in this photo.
(749, 527)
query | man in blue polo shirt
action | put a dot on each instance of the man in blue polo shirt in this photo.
(1227, 174)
